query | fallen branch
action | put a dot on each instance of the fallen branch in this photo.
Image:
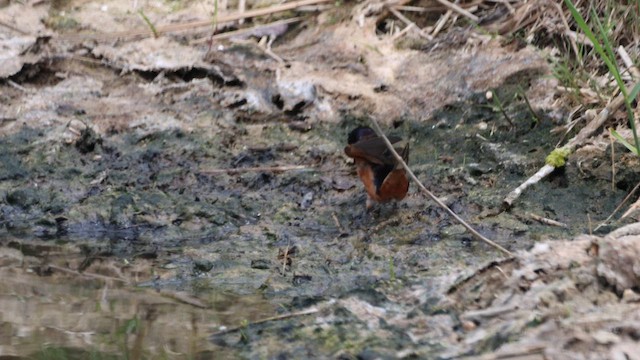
(432, 196)
(569, 148)
(515, 194)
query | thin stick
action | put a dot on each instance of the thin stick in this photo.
(506, 4)
(489, 313)
(613, 163)
(515, 194)
(526, 100)
(459, 10)
(434, 8)
(18, 86)
(629, 63)
(285, 257)
(309, 311)
(9, 26)
(526, 352)
(626, 198)
(199, 23)
(242, 7)
(432, 196)
(255, 30)
(257, 169)
(547, 221)
(337, 222)
(568, 31)
(409, 23)
(440, 24)
(86, 274)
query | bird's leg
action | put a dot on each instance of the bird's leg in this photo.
(369, 203)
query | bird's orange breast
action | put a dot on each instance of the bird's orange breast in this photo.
(394, 186)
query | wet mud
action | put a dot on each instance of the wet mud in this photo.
(125, 186)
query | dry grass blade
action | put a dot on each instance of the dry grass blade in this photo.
(433, 197)
(624, 55)
(440, 24)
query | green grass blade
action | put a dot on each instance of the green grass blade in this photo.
(624, 142)
(635, 91)
(149, 23)
(608, 56)
(582, 24)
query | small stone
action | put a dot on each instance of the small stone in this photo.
(489, 95)
(307, 200)
(260, 264)
(203, 266)
(468, 325)
(630, 296)
(604, 337)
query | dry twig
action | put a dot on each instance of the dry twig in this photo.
(459, 10)
(571, 146)
(547, 221)
(86, 274)
(409, 23)
(626, 198)
(337, 222)
(309, 311)
(252, 31)
(257, 169)
(432, 196)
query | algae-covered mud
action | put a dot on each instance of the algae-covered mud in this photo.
(200, 206)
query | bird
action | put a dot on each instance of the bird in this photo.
(383, 176)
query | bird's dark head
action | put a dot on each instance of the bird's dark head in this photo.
(360, 133)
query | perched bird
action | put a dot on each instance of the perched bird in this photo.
(383, 176)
